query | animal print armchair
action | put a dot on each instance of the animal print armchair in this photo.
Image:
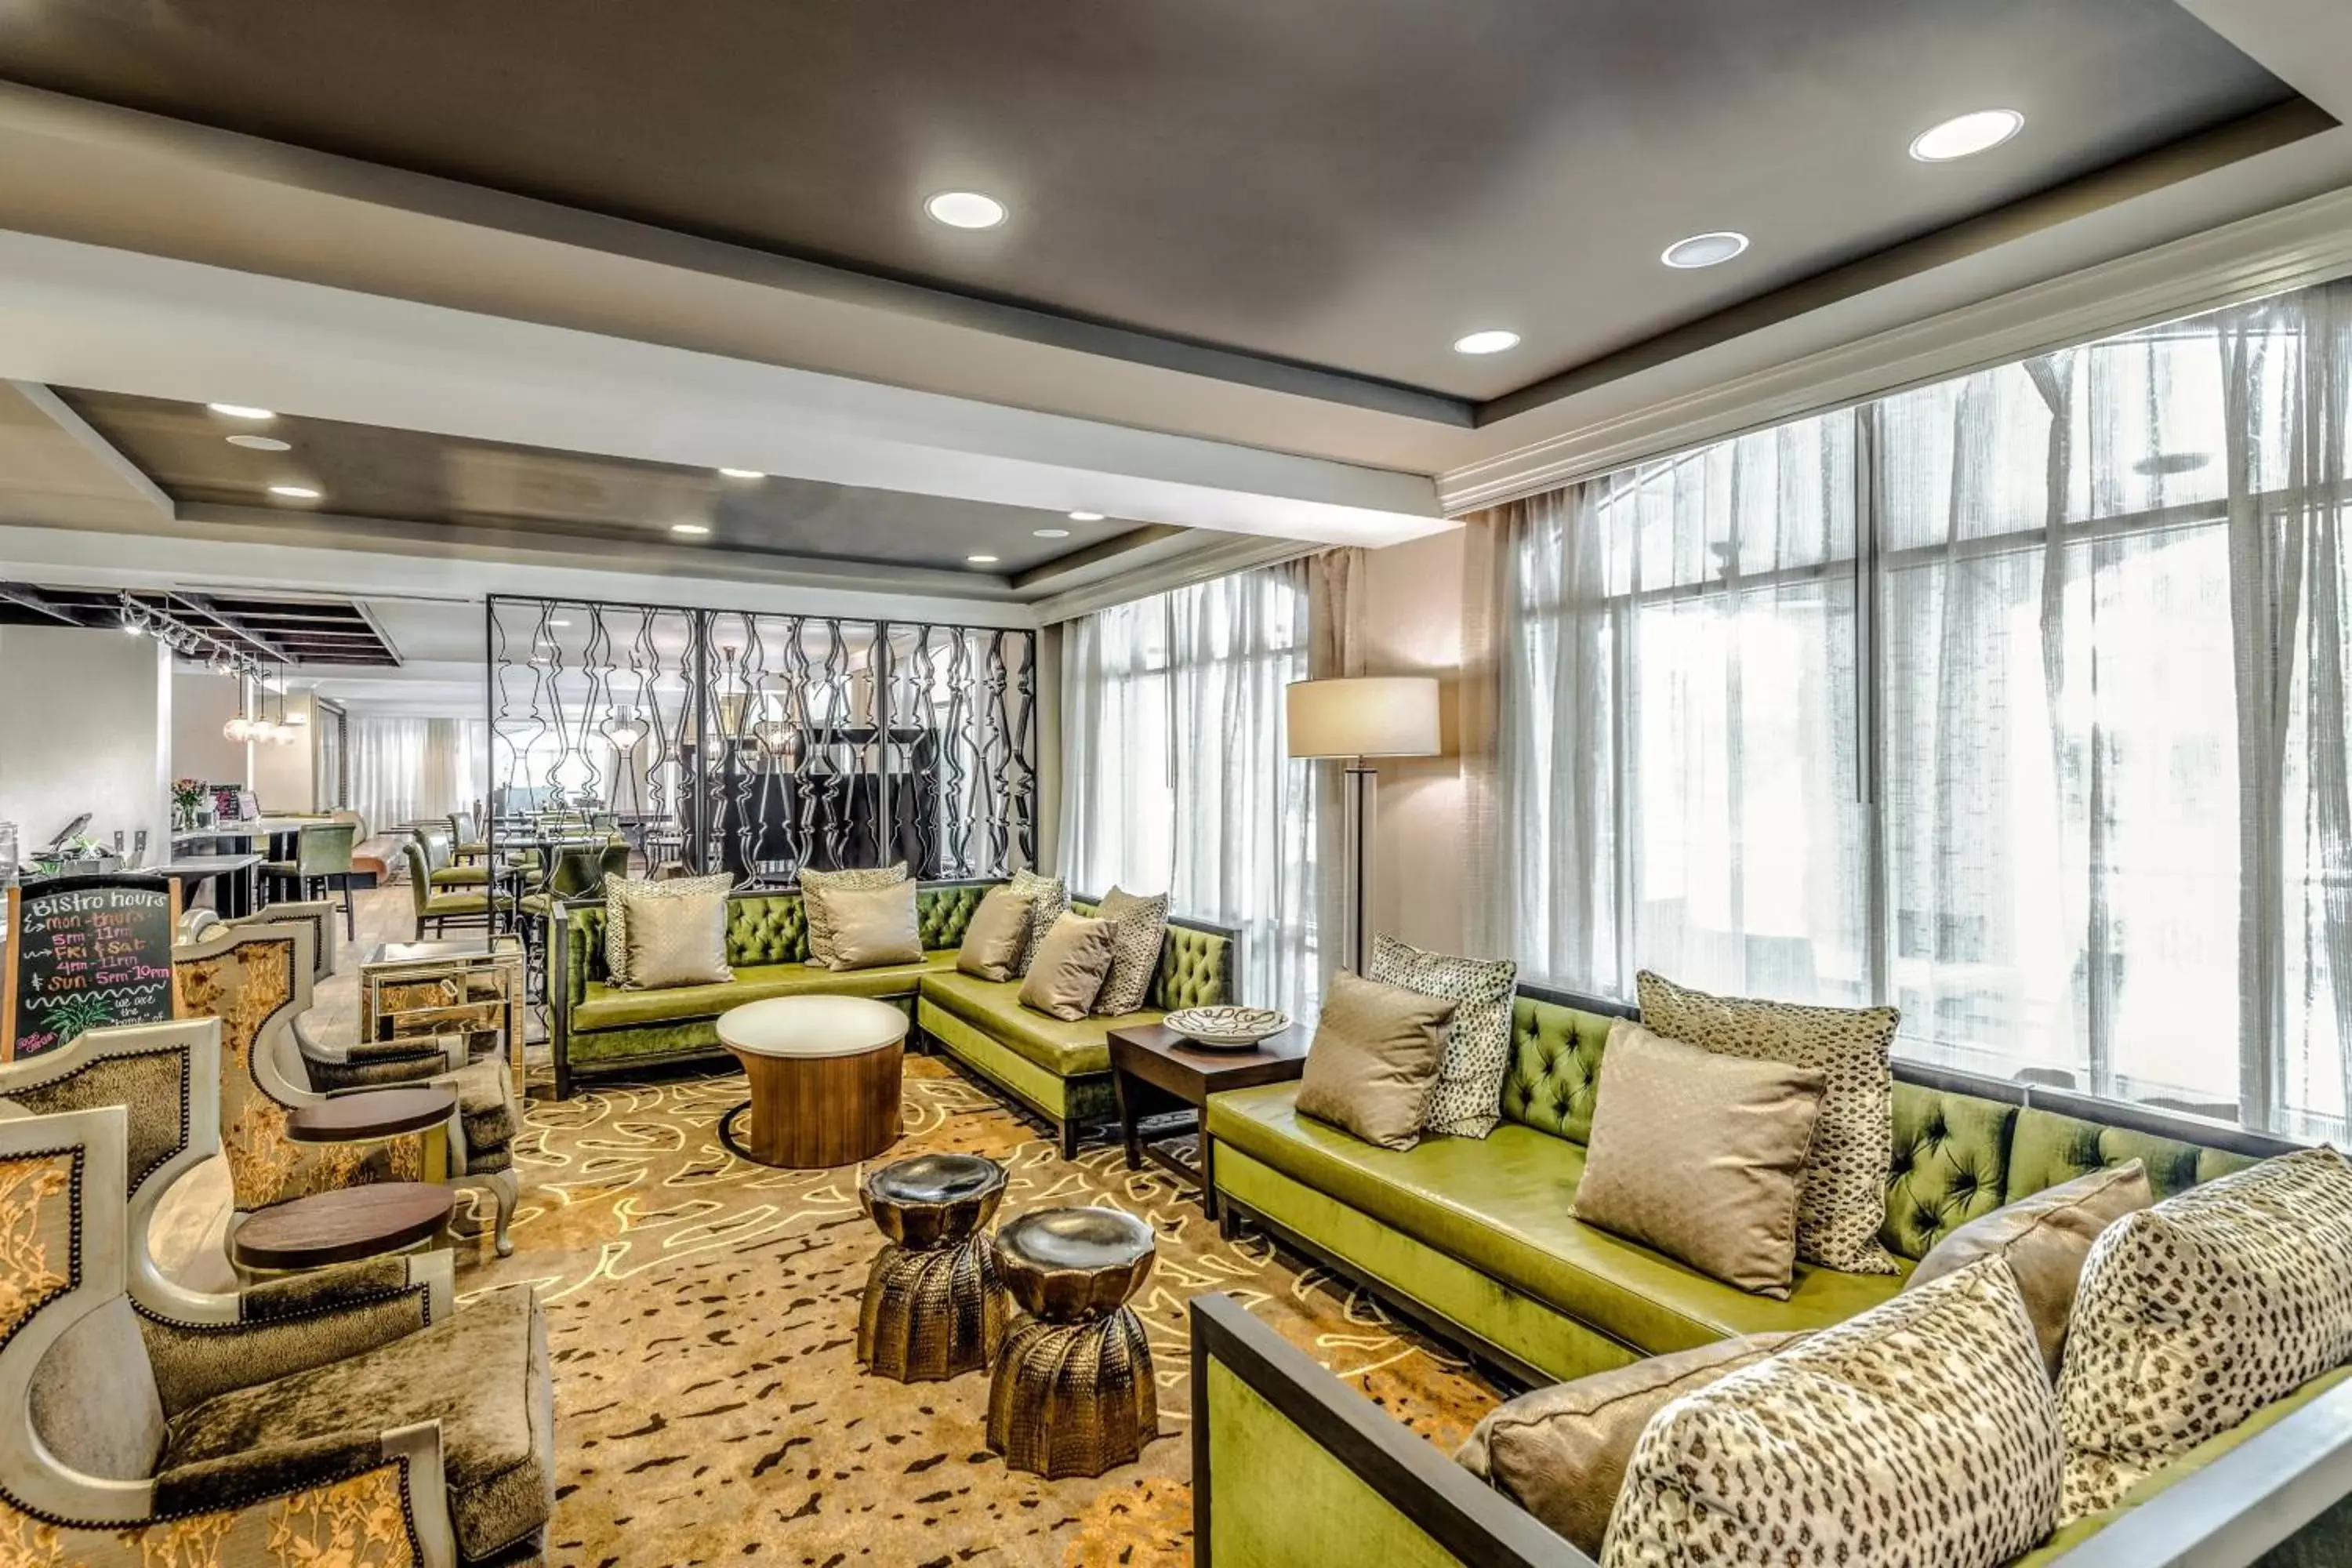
(257, 980)
(347, 1415)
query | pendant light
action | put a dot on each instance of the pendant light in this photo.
(239, 730)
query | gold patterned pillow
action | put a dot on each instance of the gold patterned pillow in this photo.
(679, 942)
(1924, 1432)
(620, 892)
(1842, 1202)
(1134, 952)
(2195, 1313)
(1048, 898)
(815, 885)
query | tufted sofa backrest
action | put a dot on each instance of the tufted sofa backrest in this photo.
(769, 928)
(1964, 1146)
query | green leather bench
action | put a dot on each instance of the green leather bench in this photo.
(1475, 1238)
(1060, 1070)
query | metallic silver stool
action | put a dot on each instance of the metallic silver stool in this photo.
(1073, 1392)
(932, 1307)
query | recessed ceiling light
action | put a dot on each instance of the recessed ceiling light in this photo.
(965, 209)
(743, 473)
(1053, 533)
(1085, 517)
(1487, 342)
(294, 492)
(240, 411)
(693, 528)
(1704, 249)
(1966, 136)
(261, 442)
(982, 559)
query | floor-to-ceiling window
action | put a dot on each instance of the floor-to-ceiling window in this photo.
(1175, 776)
(2016, 700)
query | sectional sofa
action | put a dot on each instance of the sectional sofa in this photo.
(1060, 1071)
(1475, 1239)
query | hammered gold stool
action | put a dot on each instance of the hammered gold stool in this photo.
(932, 1308)
(1073, 1392)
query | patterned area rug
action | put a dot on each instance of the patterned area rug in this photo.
(702, 1311)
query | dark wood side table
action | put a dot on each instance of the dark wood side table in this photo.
(1153, 1063)
(372, 1114)
(344, 1225)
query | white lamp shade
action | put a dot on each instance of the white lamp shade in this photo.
(1363, 716)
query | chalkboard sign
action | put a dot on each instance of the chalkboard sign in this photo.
(84, 952)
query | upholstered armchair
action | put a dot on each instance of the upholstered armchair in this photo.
(347, 1415)
(319, 914)
(257, 980)
(437, 903)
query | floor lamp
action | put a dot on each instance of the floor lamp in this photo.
(1360, 718)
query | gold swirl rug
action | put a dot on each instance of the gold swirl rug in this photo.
(702, 1310)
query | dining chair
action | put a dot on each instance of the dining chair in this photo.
(321, 863)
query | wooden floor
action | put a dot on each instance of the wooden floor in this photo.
(191, 1222)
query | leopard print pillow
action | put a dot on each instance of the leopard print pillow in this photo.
(1469, 1099)
(2195, 1313)
(1922, 1433)
(1142, 929)
(1049, 898)
(1842, 1202)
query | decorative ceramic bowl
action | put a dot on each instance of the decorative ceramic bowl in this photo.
(1228, 1026)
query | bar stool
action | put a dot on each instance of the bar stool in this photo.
(322, 862)
(1072, 1395)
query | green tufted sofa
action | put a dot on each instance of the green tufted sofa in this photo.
(1474, 1237)
(1060, 1070)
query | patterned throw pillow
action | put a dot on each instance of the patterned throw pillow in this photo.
(621, 892)
(1922, 1432)
(1468, 1100)
(1844, 1202)
(813, 887)
(1135, 952)
(2195, 1313)
(1048, 898)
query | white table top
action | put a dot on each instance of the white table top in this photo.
(810, 1026)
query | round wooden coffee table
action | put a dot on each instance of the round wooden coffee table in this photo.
(825, 1078)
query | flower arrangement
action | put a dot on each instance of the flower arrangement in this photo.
(190, 794)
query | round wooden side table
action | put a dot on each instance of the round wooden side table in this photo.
(342, 1226)
(824, 1072)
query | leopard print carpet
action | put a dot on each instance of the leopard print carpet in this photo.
(701, 1315)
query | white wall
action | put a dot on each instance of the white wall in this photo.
(1411, 625)
(85, 725)
(286, 778)
(201, 703)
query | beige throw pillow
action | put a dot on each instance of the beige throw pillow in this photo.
(1375, 1060)
(624, 893)
(1700, 1156)
(874, 926)
(996, 937)
(679, 942)
(1049, 899)
(1066, 971)
(1469, 1099)
(1844, 1198)
(815, 885)
(1921, 1432)
(1135, 954)
(2195, 1313)
(1560, 1452)
(2047, 1238)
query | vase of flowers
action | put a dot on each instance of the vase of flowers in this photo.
(192, 804)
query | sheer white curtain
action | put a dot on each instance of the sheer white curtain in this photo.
(2071, 792)
(1674, 736)
(409, 770)
(1174, 776)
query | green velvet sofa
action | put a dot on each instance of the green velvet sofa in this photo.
(1059, 1070)
(1475, 1240)
(1291, 1465)
(1473, 1236)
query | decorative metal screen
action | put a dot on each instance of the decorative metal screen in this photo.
(760, 744)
